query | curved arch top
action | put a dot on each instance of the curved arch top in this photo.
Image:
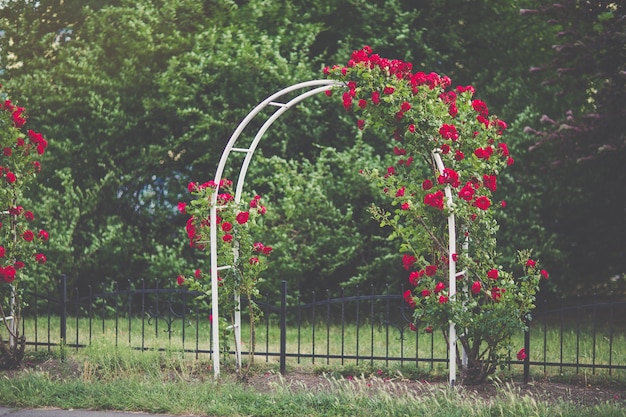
(316, 86)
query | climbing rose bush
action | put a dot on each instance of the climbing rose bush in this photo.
(236, 248)
(425, 116)
(20, 238)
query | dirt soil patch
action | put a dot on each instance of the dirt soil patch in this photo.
(540, 390)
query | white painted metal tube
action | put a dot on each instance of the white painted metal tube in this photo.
(451, 270)
(321, 85)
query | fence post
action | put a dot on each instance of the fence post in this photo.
(527, 351)
(63, 291)
(283, 326)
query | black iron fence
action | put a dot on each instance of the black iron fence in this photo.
(360, 328)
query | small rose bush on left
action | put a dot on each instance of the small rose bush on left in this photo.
(245, 258)
(20, 238)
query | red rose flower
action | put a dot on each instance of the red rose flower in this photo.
(439, 287)
(453, 110)
(347, 101)
(10, 177)
(476, 287)
(483, 153)
(43, 235)
(408, 261)
(480, 107)
(388, 90)
(492, 274)
(2, 251)
(267, 250)
(431, 270)
(449, 176)
(405, 206)
(448, 132)
(227, 238)
(18, 265)
(254, 203)
(521, 355)
(490, 181)
(496, 293)
(360, 124)
(180, 280)
(443, 299)
(28, 215)
(504, 150)
(399, 151)
(28, 236)
(40, 258)
(375, 97)
(7, 274)
(254, 261)
(434, 199)
(425, 293)
(407, 296)
(242, 217)
(544, 273)
(482, 203)
(227, 226)
(530, 263)
(197, 273)
(427, 185)
(467, 192)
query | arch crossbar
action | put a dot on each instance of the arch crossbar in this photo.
(311, 88)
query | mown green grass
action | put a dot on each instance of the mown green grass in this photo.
(569, 344)
(105, 377)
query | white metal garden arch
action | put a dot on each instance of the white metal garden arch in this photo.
(310, 88)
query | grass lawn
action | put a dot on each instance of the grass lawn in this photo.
(105, 377)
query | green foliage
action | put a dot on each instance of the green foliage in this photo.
(576, 146)
(448, 196)
(318, 223)
(139, 97)
(241, 258)
(116, 163)
(20, 241)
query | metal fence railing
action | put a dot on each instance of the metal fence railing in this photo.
(360, 328)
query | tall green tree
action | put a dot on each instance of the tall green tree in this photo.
(90, 84)
(577, 145)
(138, 98)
